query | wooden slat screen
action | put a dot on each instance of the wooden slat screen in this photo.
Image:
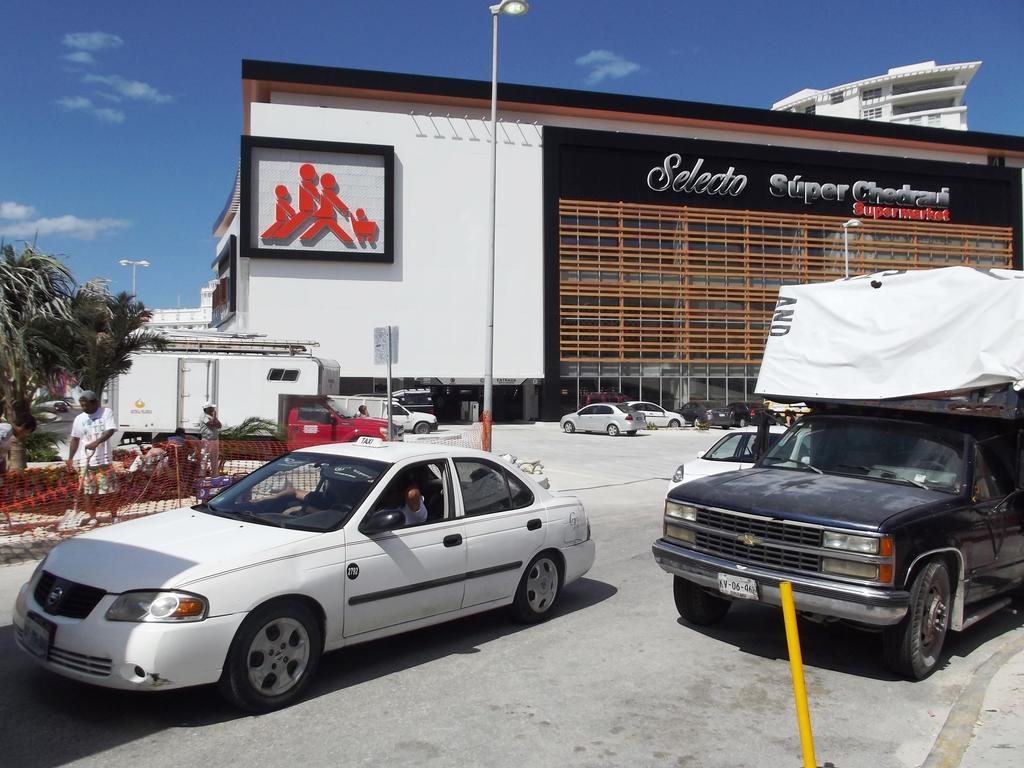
(679, 284)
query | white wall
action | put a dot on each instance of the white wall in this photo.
(434, 289)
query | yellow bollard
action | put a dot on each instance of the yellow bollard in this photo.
(796, 664)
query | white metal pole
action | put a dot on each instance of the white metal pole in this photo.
(391, 427)
(134, 265)
(489, 288)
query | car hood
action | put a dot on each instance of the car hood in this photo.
(166, 550)
(806, 496)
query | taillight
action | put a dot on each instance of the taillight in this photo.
(629, 417)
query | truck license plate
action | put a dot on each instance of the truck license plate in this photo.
(737, 586)
(38, 635)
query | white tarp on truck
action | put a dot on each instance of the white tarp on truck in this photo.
(896, 334)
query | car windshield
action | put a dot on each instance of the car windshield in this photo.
(307, 491)
(878, 449)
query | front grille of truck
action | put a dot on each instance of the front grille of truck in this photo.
(772, 548)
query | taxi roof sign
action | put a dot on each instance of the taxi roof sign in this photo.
(376, 442)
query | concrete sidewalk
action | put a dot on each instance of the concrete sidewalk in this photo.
(998, 740)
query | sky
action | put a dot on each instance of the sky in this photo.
(119, 134)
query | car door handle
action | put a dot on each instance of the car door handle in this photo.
(453, 540)
(533, 525)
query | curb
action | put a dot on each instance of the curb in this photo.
(957, 732)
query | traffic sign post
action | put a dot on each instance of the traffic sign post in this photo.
(385, 352)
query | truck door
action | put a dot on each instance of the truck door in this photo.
(197, 383)
(996, 547)
(310, 424)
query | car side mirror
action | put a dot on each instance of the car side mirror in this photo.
(381, 521)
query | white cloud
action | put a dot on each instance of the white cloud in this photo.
(606, 64)
(130, 89)
(81, 103)
(75, 102)
(61, 226)
(12, 210)
(92, 41)
(80, 57)
(108, 115)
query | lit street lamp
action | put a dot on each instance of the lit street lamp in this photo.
(512, 8)
(846, 244)
(133, 263)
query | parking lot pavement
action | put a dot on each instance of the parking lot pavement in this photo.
(614, 679)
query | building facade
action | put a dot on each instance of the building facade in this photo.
(187, 318)
(918, 94)
(640, 242)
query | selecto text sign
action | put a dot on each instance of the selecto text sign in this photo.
(315, 200)
(661, 170)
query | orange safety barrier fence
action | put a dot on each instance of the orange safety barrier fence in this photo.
(64, 500)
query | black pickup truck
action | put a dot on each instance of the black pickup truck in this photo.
(903, 516)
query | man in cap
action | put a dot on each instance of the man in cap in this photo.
(209, 433)
(89, 449)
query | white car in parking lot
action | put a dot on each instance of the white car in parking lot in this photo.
(656, 415)
(612, 418)
(737, 450)
(309, 553)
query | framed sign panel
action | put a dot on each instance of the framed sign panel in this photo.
(327, 201)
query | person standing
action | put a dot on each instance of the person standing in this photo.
(89, 450)
(209, 433)
(19, 430)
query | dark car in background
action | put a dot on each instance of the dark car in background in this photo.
(421, 400)
(737, 414)
(696, 410)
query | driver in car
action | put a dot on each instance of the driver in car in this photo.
(412, 507)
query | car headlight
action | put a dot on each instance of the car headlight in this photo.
(681, 511)
(677, 476)
(170, 607)
(848, 542)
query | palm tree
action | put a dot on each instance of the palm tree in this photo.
(35, 292)
(104, 332)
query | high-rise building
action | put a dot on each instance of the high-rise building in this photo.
(918, 94)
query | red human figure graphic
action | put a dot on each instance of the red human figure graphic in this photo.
(330, 205)
(284, 212)
(309, 199)
(366, 230)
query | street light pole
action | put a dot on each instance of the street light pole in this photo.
(133, 263)
(513, 8)
(846, 244)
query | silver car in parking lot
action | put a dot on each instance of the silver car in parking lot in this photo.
(612, 418)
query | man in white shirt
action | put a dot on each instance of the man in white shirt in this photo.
(414, 509)
(89, 450)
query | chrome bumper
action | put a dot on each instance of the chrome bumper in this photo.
(866, 605)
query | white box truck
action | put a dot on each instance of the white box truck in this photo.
(243, 376)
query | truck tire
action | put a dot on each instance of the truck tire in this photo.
(913, 647)
(422, 427)
(696, 605)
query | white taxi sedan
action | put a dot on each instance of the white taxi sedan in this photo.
(737, 450)
(312, 552)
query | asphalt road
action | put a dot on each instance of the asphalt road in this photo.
(614, 679)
